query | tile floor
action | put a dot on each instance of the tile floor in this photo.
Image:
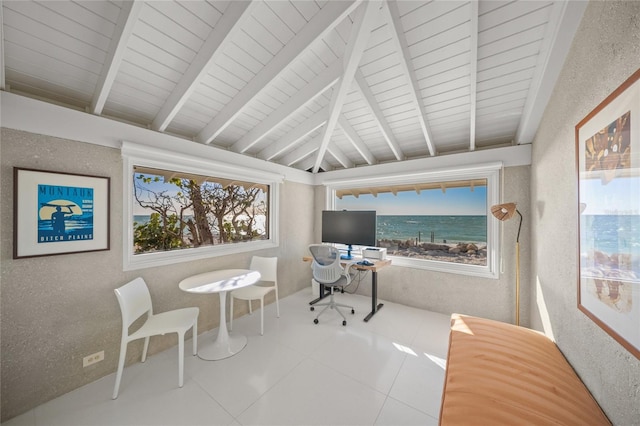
(388, 371)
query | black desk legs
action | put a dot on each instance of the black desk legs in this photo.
(375, 307)
(322, 295)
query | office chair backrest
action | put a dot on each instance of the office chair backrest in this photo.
(134, 300)
(326, 264)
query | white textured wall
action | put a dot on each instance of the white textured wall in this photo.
(605, 52)
(55, 310)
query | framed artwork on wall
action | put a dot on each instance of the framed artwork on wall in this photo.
(608, 163)
(59, 213)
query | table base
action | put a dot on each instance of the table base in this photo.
(217, 350)
(373, 312)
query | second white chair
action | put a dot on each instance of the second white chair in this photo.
(268, 268)
(135, 301)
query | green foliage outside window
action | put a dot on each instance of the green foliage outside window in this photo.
(157, 234)
(177, 211)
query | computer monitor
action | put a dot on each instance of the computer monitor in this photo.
(349, 227)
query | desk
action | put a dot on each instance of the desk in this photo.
(221, 282)
(377, 264)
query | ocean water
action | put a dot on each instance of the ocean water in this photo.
(449, 228)
(141, 219)
(610, 233)
(70, 225)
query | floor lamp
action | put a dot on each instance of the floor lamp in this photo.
(505, 212)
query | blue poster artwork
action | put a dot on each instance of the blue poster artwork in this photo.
(65, 213)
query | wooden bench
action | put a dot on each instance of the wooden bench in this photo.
(501, 374)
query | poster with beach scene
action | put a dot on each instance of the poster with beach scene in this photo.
(59, 213)
(608, 161)
(65, 213)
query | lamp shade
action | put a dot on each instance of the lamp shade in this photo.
(503, 211)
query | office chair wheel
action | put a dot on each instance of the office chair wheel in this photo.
(344, 323)
(315, 321)
(311, 309)
(353, 311)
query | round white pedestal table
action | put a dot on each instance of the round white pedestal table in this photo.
(221, 282)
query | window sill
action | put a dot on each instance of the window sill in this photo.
(151, 260)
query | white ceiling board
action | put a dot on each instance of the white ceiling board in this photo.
(259, 84)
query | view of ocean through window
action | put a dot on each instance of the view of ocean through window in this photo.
(446, 221)
(471, 229)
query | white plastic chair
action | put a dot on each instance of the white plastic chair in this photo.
(268, 268)
(135, 301)
(328, 270)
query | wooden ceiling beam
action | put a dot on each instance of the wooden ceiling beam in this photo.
(355, 140)
(378, 116)
(322, 23)
(391, 12)
(307, 94)
(339, 155)
(231, 22)
(309, 162)
(473, 74)
(124, 28)
(301, 152)
(562, 25)
(296, 135)
(360, 32)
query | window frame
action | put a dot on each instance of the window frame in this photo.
(145, 156)
(490, 172)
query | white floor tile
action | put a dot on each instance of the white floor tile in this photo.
(395, 413)
(238, 381)
(433, 334)
(397, 322)
(366, 357)
(388, 371)
(315, 394)
(420, 382)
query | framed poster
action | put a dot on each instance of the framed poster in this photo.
(59, 213)
(608, 162)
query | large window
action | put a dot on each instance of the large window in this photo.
(436, 220)
(174, 210)
(182, 208)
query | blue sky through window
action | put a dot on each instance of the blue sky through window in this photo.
(432, 202)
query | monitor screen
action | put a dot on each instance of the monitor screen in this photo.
(350, 227)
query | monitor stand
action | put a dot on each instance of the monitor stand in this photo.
(348, 255)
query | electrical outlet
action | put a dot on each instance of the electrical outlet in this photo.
(92, 359)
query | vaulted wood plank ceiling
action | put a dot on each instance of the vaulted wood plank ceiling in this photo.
(311, 84)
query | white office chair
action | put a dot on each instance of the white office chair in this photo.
(268, 268)
(328, 270)
(135, 301)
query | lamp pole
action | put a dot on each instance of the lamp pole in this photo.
(504, 212)
(518, 271)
